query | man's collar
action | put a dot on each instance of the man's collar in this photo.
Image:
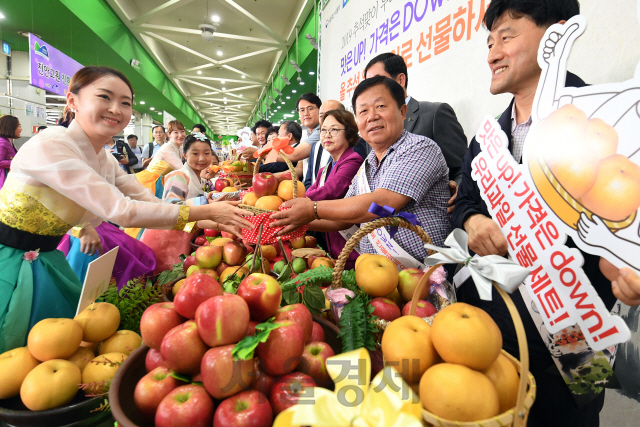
(314, 129)
(407, 99)
(513, 116)
(371, 158)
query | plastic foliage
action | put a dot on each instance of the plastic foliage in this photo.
(305, 288)
(357, 324)
(132, 300)
(168, 276)
(246, 346)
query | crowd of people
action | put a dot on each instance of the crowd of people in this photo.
(392, 150)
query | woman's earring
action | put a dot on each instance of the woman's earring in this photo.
(73, 110)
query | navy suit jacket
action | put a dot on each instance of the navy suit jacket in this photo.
(470, 202)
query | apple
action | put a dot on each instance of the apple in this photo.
(182, 348)
(408, 280)
(156, 321)
(200, 240)
(154, 360)
(284, 176)
(269, 252)
(423, 309)
(317, 333)
(314, 362)
(206, 243)
(210, 272)
(298, 242)
(221, 375)
(196, 289)
(261, 381)
(322, 261)
(288, 390)
(385, 309)
(187, 405)
(311, 259)
(191, 270)
(277, 248)
(262, 294)
(250, 249)
(188, 262)
(265, 184)
(247, 409)
(282, 351)
(209, 232)
(229, 235)
(221, 184)
(208, 256)
(251, 330)
(222, 320)
(234, 253)
(152, 389)
(222, 267)
(310, 242)
(300, 314)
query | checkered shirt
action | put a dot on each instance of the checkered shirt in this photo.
(415, 167)
(519, 133)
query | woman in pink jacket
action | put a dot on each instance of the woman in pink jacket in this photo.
(338, 135)
(9, 128)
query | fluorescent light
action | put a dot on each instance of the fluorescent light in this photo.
(294, 91)
(311, 73)
(222, 81)
(159, 112)
(241, 95)
(142, 102)
(242, 76)
(219, 53)
(215, 18)
(151, 108)
(2, 16)
(199, 72)
(301, 82)
(288, 97)
(224, 88)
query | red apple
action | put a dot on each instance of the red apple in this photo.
(278, 250)
(229, 235)
(262, 294)
(423, 309)
(221, 184)
(247, 409)
(221, 375)
(251, 330)
(151, 389)
(314, 362)
(208, 256)
(265, 184)
(209, 232)
(300, 314)
(154, 360)
(206, 243)
(156, 321)
(182, 348)
(288, 390)
(222, 267)
(187, 405)
(200, 240)
(408, 280)
(310, 260)
(282, 351)
(234, 253)
(298, 242)
(317, 334)
(385, 309)
(188, 262)
(310, 242)
(222, 320)
(284, 176)
(210, 272)
(261, 381)
(195, 290)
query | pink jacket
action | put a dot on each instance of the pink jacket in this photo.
(7, 153)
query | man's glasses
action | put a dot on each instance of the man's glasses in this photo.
(331, 132)
(306, 110)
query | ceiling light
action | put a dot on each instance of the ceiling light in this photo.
(224, 88)
(215, 18)
(294, 91)
(282, 102)
(286, 80)
(242, 76)
(151, 108)
(301, 82)
(311, 73)
(288, 97)
(240, 94)
(279, 106)
(2, 16)
(199, 72)
(142, 102)
(208, 31)
(222, 81)
(219, 53)
(160, 112)
(224, 99)
(225, 103)
(295, 66)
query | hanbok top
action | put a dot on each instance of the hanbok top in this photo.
(183, 184)
(168, 158)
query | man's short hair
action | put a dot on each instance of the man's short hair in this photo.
(294, 129)
(261, 124)
(542, 12)
(310, 97)
(393, 65)
(397, 92)
(199, 126)
(41, 128)
(157, 126)
(132, 136)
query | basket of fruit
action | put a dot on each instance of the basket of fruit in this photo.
(267, 196)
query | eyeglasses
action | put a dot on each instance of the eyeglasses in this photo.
(331, 132)
(306, 110)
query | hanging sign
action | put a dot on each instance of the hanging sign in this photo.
(50, 69)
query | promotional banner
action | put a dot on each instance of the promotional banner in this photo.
(50, 69)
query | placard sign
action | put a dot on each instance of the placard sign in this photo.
(97, 279)
(49, 68)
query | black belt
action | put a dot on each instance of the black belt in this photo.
(26, 241)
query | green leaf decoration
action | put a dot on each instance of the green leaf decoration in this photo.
(245, 348)
(314, 276)
(232, 283)
(292, 296)
(349, 281)
(350, 333)
(181, 377)
(168, 276)
(285, 274)
(211, 238)
(132, 300)
(313, 297)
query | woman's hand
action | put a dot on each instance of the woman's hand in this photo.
(625, 284)
(90, 242)
(237, 231)
(228, 214)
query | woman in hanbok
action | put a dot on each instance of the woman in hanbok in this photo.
(167, 159)
(64, 178)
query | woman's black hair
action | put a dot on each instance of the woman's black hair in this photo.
(191, 139)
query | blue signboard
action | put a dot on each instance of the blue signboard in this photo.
(6, 48)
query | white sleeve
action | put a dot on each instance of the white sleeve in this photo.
(62, 168)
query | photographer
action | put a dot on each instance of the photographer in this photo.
(123, 154)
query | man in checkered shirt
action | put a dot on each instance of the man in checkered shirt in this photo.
(405, 171)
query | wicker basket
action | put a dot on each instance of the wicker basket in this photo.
(262, 216)
(516, 416)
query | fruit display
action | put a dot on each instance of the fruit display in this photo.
(56, 363)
